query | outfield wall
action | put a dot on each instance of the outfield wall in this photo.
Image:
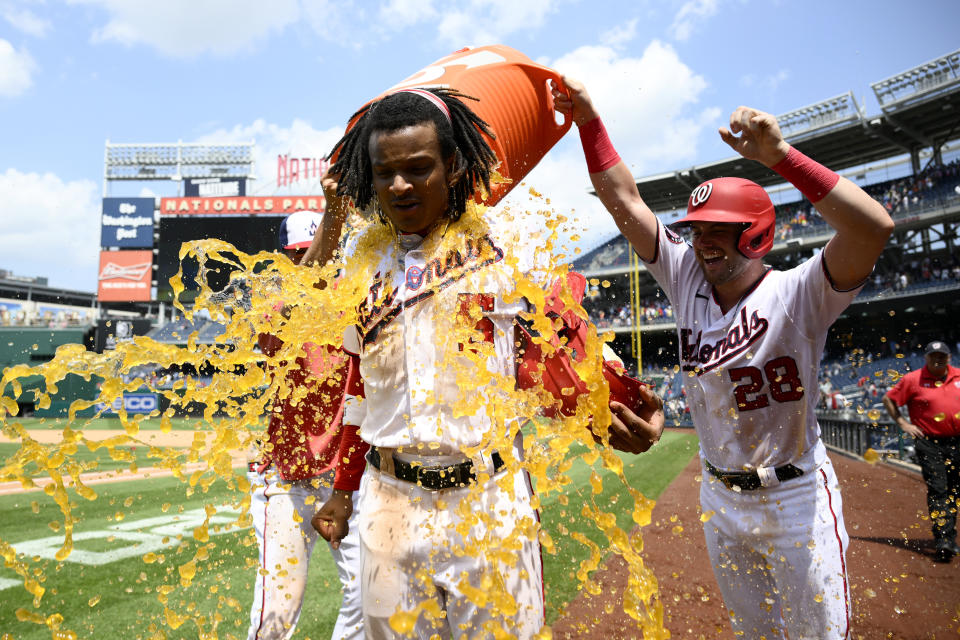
(36, 346)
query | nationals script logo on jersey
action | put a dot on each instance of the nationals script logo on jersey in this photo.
(672, 236)
(705, 357)
(437, 274)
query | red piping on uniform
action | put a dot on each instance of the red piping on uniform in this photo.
(263, 564)
(843, 563)
(543, 588)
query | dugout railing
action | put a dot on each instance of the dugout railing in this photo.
(846, 434)
(843, 433)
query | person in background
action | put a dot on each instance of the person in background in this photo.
(295, 476)
(932, 396)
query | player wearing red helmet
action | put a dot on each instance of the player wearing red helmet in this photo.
(750, 345)
(735, 200)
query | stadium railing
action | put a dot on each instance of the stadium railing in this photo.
(869, 294)
(856, 436)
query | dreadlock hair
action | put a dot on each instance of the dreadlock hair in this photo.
(460, 137)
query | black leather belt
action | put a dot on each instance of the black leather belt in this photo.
(749, 480)
(434, 478)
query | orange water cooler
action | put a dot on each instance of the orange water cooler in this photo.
(514, 99)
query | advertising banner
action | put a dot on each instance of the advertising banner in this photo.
(10, 313)
(127, 223)
(132, 402)
(272, 205)
(125, 276)
(214, 187)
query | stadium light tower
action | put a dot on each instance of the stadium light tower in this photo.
(176, 161)
(921, 82)
(839, 110)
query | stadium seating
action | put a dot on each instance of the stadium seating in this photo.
(178, 331)
(936, 187)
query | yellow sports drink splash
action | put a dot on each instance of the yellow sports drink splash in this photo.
(515, 100)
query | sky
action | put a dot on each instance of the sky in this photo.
(287, 74)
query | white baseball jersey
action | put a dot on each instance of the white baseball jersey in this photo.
(750, 374)
(414, 324)
(779, 552)
(432, 387)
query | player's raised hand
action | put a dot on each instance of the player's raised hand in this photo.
(330, 520)
(325, 241)
(755, 135)
(571, 98)
(330, 181)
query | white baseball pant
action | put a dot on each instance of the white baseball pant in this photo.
(285, 546)
(779, 556)
(407, 536)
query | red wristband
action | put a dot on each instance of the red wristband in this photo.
(810, 177)
(597, 148)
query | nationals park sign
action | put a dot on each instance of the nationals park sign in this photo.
(241, 205)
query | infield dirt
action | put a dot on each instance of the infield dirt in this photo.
(173, 438)
(898, 591)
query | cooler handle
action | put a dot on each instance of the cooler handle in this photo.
(559, 126)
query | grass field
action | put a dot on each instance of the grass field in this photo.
(121, 457)
(107, 588)
(180, 424)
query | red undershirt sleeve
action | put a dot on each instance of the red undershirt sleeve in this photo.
(351, 457)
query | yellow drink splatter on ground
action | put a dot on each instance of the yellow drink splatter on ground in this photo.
(237, 400)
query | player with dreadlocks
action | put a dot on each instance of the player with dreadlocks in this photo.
(458, 130)
(461, 142)
(415, 159)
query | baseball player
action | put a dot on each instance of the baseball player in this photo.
(296, 476)
(932, 394)
(439, 295)
(750, 341)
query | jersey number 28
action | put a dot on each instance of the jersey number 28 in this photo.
(782, 376)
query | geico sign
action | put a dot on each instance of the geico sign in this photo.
(132, 403)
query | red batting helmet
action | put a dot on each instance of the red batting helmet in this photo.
(735, 200)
